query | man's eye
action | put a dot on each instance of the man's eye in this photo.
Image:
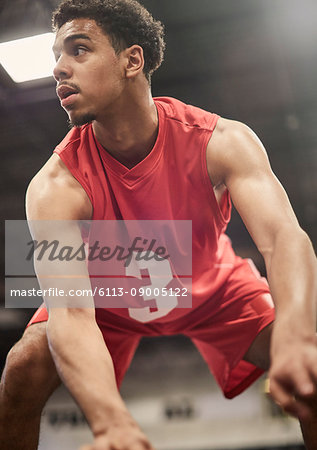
(79, 51)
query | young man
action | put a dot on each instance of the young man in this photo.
(132, 157)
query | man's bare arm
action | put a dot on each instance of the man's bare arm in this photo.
(237, 160)
(76, 342)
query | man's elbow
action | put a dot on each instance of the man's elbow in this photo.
(287, 240)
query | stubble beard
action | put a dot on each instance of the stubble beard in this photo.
(79, 121)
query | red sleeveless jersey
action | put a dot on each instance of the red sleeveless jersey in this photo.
(171, 183)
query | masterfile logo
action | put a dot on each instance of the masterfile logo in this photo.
(145, 266)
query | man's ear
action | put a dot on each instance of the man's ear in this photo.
(135, 61)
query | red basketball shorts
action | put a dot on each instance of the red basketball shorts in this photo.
(222, 329)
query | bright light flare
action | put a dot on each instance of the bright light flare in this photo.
(29, 58)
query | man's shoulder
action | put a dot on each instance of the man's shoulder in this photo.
(186, 114)
(232, 129)
(233, 139)
(233, 147)
(52, 176)
(55, 193)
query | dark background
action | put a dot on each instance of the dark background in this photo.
(252, 61)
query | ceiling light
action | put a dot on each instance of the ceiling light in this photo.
(29, 58)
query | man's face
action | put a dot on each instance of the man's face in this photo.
(88, 72)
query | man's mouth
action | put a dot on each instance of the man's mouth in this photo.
(67, 94)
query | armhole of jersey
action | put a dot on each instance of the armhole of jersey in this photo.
(78, 176)
(225, 200)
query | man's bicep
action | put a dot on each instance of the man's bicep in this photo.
(59, 256)
(263, 205)
(55, 207)
(243, 167)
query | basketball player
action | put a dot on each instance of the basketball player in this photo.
(131, 157)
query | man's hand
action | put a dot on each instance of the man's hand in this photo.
(121, 437)
(293, 373)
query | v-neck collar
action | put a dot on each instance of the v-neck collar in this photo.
(145, 166)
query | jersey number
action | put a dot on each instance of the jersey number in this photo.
(160, 275)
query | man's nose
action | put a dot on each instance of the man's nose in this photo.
(62, 69)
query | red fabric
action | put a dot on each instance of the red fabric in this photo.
(222, 333)
(169, 184)
(172, 183)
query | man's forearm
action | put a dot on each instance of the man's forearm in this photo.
(291, 270)
(86, 368)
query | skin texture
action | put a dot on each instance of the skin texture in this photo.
(113, 90)
(20, 408)
(78, 57)
(290, 261)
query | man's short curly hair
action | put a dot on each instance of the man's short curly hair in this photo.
(126, 23)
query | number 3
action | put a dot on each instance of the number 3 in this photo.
(161, 275)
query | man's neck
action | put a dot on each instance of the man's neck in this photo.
(130, 134)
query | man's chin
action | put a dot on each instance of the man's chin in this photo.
(78, 121)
